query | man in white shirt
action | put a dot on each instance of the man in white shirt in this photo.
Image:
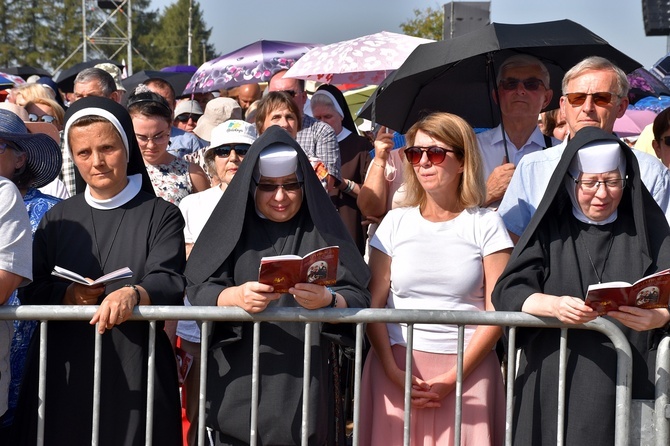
(522, 93)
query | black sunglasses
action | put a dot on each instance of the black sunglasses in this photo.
(224, 150)
(530, 84)
(32, 117)
(290, 92)
(185, 117)
(269, 187)
(666, 140)
(435, 154)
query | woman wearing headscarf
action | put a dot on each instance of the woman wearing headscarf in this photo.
(117, 222)
(274, 205)
(596, 223)
(328, 105)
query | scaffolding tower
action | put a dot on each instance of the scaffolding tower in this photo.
(102, 38)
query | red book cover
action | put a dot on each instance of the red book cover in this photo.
(282, 272)
(652, 291)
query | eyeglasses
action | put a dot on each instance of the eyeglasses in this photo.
(288, 187)
(32, 117)
(435, 154)
(224, 150)
(530, 84)
(290, 92)
(156, 139)
(666, 140)
(185, 117)
(591, 186)
(601, 98)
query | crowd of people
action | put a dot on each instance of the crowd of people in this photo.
(190, 193)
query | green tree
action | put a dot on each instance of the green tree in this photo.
(427, 24)
(170, 38)
(7, 49)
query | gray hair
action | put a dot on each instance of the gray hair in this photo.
(106, 81)
(524, 60)
(599, 64)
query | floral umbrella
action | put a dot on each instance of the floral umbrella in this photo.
(364, 60)
(254, 63)
(644, 84)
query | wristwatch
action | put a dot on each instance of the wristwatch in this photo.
(333, 302)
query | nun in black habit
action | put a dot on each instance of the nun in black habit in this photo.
(265, 213)
(116, 222)
(566, 247)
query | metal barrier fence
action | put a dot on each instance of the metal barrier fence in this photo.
(360, 317)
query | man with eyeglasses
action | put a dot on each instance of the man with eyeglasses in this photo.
(595, 93)
(522, 93)
(316, 138)
(186, 115)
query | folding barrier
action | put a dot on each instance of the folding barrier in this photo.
(360, 317)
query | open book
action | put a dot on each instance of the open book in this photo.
(651, 291)
(282, 272)
(119, 274)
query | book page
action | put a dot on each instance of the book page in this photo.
(121, 273)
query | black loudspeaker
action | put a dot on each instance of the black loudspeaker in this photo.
(656, 16)
(109, 4)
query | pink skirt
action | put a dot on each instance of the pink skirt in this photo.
(382, 404)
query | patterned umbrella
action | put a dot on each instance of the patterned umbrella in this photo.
(644, 84)
(253, 63)
(364, 60)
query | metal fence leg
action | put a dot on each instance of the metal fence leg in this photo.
(97, 370)
(408, 383)
(509, 393)
(358, 366)
(42, 384)
(204, 347)
(151, 379)
(459, 386)
(306, 381)
(562, 361)
(255, 367)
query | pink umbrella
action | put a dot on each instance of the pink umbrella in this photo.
(633, 122)
(254, 63)
(364, 60)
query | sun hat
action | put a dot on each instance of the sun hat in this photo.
(187, 106)
(43, 155)
(217, 110)
(115, 72)
(233, 131)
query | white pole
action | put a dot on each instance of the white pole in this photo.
(83, 29)
(190, 30)
(129, 65)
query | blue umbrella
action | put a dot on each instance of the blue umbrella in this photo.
(5, 83)
(653, 103)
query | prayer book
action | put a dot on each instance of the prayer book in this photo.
(283, 272)
(119, 274)
(652, 291)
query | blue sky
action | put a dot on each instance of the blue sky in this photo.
(237, 23)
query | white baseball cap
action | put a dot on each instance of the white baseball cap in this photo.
(233, 131)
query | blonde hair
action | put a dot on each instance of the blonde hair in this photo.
(456, 133)
(29, 92)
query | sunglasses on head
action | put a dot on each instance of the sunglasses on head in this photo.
(270, 187)
(224, 150)
(600, 98)
(530, 84)
(185, 117)
(32, 117)
(435, 154)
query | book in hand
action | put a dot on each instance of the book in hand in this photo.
(283, 272)
(119, 274)
(651, 291)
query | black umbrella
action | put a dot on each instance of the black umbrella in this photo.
(178, 80)
(457, 75)
(65, 79)
(25, 71)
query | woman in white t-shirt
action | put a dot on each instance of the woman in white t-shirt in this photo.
(441, 251)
